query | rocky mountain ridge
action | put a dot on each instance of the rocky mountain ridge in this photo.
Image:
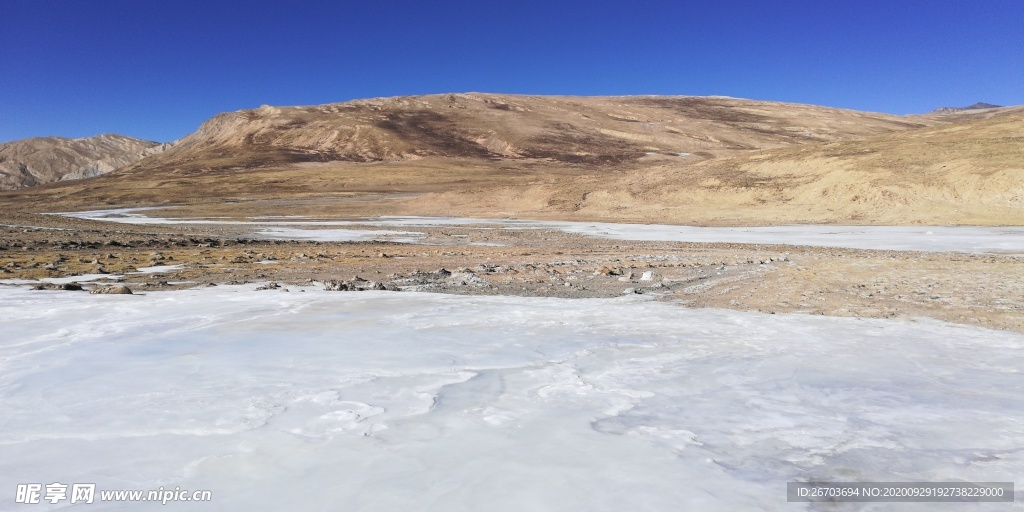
(569, 130)
(41, 160)
(954, 110)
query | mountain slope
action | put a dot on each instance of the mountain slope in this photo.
(970, 172)
(954, 110)
(646, 159)
(40, 160)
(486, 127)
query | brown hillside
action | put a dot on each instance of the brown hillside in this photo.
(645, 159)
(441, 142)
(570, 130)
(40, 160)
(971, 172)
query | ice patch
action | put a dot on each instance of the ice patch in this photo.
(84, 278)
(339, 235)
(974, 239)
(398, 401)
(158, 269)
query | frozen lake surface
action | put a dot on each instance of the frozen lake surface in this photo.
(427, 402)
(977, 239)
(272, 229)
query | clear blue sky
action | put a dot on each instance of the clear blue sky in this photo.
(156, 70)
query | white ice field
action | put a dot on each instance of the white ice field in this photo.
(976, 239)
(384, 401)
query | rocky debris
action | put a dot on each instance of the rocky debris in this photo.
(357, 284)
(117, 289)
(268, 286)
(439, 280)
(980, 290)
(71, 287)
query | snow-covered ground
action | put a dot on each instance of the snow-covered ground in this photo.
(338, 235)
(158, 269)
(84, 278)
(902, 238)
(273, 229)
(404, 401)
(977, 239)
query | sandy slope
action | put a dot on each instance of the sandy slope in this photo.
(968, 172)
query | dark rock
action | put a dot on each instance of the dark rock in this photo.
(118, 289)
(71, 287)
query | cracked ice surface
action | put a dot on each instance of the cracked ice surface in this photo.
(409, 401)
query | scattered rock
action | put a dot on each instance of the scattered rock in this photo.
(357, 284)
(71, 287)
(118, 289)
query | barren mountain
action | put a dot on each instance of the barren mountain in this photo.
(395, 144)
(705, 160)
(969, 172)
(954, 110)
(35, 161)
(485, 127)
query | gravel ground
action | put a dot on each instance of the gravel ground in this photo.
(963, 288)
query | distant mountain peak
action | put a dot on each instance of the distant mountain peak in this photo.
(953, 110)
(41, 160)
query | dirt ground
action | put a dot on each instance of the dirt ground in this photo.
(983, 290)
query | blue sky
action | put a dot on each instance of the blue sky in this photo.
(156, 70)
